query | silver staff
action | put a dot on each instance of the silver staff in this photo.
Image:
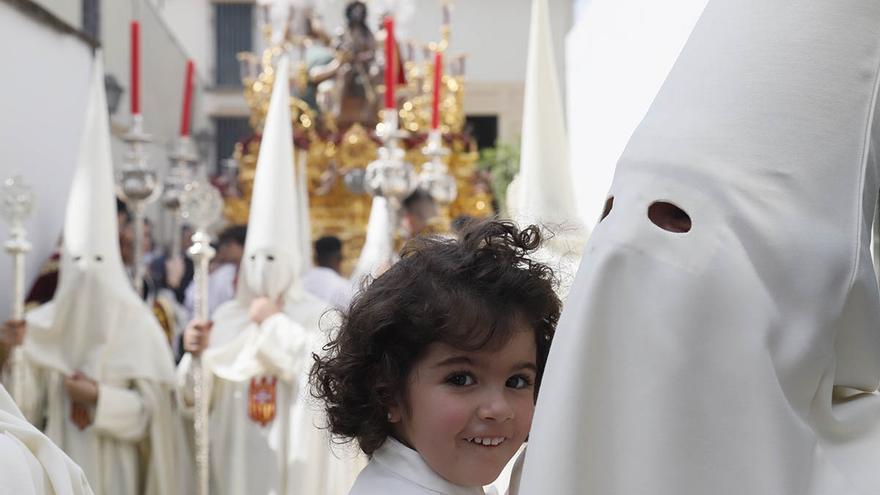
(18, 202)
(138, 185)
(200, 205)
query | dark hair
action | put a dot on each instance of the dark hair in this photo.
(468, 293)
(235, 233)
(417, 197)
(327, 248)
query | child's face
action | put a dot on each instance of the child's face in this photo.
(460, 401)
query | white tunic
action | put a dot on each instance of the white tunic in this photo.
(29, 463)
(397, 469)
(327, 285)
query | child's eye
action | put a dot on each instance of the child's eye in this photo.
(519, 381)
(460, 379)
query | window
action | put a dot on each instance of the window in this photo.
(484, 129)
(91, 18)
(233, 31)
(230, 130)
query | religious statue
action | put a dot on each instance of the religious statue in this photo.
(348, 85)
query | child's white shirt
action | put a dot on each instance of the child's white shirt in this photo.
(397, 469)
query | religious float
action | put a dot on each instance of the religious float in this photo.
(339, 85)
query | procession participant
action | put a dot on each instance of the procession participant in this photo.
(264, 439)
(30, 464)
(324, 280)
(721, 336)
(98, 372)
(544, 192)
(436, 368)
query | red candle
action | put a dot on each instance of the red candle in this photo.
(135, 67)
(187, 99)
(438, 80)
(390, 63)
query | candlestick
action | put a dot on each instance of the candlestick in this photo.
(435, 178)
(187, 99)
(138, 185)
(390, 63)
(438, 79)
(184, 160)
(135, 67)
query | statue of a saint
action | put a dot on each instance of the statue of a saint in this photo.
(347, 84)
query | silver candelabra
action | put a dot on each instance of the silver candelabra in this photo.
(435, 178)
(138, 185)
(390, 175)
(183, 158)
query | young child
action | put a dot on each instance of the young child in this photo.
(436, 367)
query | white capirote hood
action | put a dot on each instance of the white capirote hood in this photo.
(544, 192)
(740, 357)
(96, 323)
(271, 263)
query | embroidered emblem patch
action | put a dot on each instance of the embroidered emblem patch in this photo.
(261, 400)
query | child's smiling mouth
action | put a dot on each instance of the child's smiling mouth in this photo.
(486, 441)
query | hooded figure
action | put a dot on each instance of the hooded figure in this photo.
(264, 435)
(30, 464)
(378, 252)
(721, 336)
(96, 329)
(542, 193)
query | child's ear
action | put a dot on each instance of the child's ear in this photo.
(394, 414)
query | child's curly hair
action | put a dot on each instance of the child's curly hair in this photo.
(467, 293)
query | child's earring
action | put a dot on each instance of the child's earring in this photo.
(392, 418)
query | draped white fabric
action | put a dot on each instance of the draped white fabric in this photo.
(30, 464)
(545, 193)
(741, 357)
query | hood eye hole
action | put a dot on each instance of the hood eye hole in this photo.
(609, 204)
(77, 258)
(669, 217)
(253, 258)
(99, 258)
(270, 257)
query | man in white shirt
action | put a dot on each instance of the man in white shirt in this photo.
(324, 280)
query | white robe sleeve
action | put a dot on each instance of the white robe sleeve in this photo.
(121, 413)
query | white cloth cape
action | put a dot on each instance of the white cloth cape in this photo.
(30, 464)
(743, 356)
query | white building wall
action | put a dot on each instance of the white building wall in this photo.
(69, 11)
(42, 101)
